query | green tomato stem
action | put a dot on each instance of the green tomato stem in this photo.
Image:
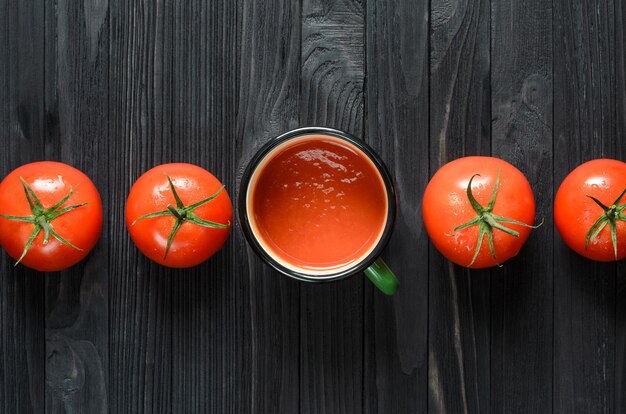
(610, 216)
(487, 221)
(183, 214)
(42, 218)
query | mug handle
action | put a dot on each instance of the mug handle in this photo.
(382, 277)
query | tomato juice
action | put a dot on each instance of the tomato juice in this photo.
(317, 204)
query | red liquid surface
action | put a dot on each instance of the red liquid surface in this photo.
(318, 204)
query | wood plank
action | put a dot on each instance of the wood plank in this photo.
(22, 124)
(620, 338)
(22, 367)
(620, 285)
(459, 299)
(208, 301)
(396, 329)
(522, 291)
(268, 104)
(140, 126)
(331, 321)
(584, 128)
(76, 133)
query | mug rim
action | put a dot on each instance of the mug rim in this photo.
(351, 139)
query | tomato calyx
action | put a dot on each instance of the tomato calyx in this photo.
(42, 218)
(184, 214)
(487, 221)
(610, 216)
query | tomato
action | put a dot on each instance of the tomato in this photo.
(478, 211)
(63, 223)
(583, 223)
(178, 215)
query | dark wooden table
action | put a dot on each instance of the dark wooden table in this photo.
(115, 87)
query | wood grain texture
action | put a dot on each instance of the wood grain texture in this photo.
(22, 340)
(522, 291)
(269, 91)
(22, 130)
(76, 73)
(331, 321)
(140, 127)
(620, 151)
(396, 329)
(115, 87)
(459, 299)
(620, 341)
(585, 93)
(208, 303)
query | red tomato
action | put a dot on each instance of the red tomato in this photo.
(184, 232)
(66, 207)
(493, 229)
(582, 222)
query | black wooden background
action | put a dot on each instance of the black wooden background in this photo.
(115, 87)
